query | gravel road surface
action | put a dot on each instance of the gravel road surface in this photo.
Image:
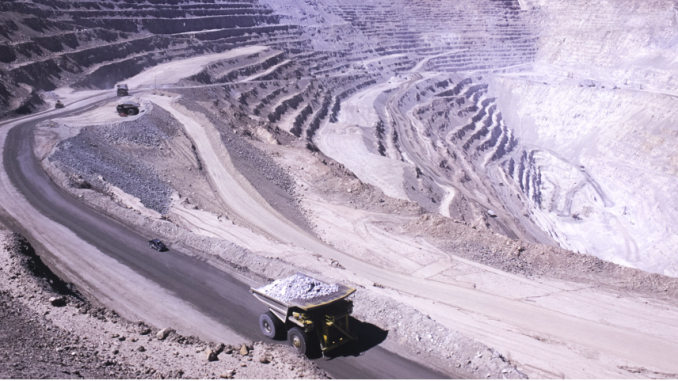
(212, 292)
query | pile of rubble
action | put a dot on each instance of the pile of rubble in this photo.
(298, 286)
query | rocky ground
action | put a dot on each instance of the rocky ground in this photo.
(473, 240)
(316, 176)
(411, 333)
(368, 127)
(271, 181)
(49, 330)
(98, 156)
(535, 260)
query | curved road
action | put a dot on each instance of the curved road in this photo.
(211, 291)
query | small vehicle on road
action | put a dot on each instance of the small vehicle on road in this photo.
(311, 322)
(127, 108)
(157, 244)
(58, 104)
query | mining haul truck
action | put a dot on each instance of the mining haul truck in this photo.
(123, 90)
(58, 104)
(312, 323)
(127, 108)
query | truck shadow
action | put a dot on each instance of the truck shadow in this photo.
(368, 336)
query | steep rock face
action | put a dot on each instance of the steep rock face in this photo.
(597, 115)
(623, 43)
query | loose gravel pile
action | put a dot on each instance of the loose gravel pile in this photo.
(110, 154)
(298, 286)
(149, 130)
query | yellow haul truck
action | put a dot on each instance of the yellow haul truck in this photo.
(312, 322)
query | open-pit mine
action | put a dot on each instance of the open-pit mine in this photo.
(495, 179)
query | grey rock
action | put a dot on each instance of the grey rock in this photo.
(211, 355)
(228, 373)
(58, 301)
(243, 350)
(163, 333)
(219, 349)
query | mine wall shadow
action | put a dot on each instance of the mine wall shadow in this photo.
(32, 261)
(368, 336)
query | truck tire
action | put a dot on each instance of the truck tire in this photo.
(133, 111)
(298, 339)
(270, 325)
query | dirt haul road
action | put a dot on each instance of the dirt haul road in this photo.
(114, 264)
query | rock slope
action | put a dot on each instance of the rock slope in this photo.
(49, 330)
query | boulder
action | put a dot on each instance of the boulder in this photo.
(244, 351)
(220, 348)
(58, 301)
(228, 374)
(163, 333)
(145, 331)
(265, 359)
(211, 355)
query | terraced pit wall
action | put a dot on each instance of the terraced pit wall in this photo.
(557, 116)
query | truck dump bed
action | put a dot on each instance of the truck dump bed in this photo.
(304, 304)
(267, 295)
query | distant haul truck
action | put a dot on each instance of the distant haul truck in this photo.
(58, 104)
(123, 90)
(315, 315)
(127, 108)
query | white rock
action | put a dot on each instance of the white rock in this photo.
(298, 287)
(162, 334)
